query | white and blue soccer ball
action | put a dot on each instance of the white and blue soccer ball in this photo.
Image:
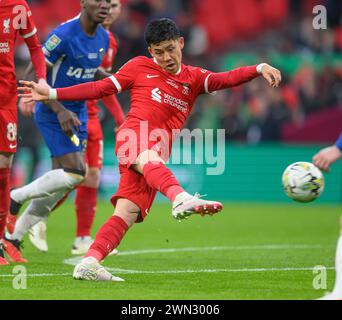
(303, 182)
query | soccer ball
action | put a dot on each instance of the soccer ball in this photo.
(303, 182)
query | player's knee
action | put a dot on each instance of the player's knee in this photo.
(127, 211)
(147, 157)
(74, 177)
(6, 160)
(129, 217)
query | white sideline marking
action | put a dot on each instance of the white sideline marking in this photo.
(37, 275)
(218, 248)
(126, 271)
(123, 271)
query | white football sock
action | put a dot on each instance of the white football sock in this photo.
(51, 182)
(25, 222)
(338, 266)
(89, 260)
(38, 209)
(182, 196)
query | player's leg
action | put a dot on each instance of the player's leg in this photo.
(40, 207)
(160, 178)
(85, 207)
(8, 146)
(108, 238)
(37, 227)
(12, 250)
(86, 193)
(62, 179)
(71, 169)
(5, 165)
(132, 202)
(336, 294)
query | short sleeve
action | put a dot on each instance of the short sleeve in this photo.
(124, 78)
(53, 48)
(27, 29)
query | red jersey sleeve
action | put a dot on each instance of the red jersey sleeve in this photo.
(29, 32)
(25, 20)
(208, 82)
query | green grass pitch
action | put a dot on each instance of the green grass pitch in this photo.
(248, 251)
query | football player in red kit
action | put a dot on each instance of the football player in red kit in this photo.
(15, 18)
(86, 194)
(163, 92)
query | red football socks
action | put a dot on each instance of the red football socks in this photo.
(4, 198)
(159, 177)
(108, 238)
(85, 204)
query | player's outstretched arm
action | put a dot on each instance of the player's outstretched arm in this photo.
(236, 77)
(85, 91)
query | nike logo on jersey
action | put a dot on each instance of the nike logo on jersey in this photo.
(149, 76)
(12, 146)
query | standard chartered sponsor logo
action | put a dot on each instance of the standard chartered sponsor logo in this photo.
(176, 102)
(156, 95)
(170, 100)
(4, 47)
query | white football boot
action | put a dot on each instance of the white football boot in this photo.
(82, 244)
(89, 269)
(185, 205)
(37, 236)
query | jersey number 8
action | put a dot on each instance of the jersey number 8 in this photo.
(12, 132)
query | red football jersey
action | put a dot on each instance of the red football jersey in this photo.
(162, 99)
(15, 17)
(107, 65)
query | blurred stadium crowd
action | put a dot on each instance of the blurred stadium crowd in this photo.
(223, 34)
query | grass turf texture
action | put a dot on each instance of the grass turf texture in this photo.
(304, 236)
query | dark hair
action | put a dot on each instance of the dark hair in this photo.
(161, 30)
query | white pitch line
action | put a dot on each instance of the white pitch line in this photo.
(219, 248)
(37, 275)
(126, 271)
(75, 260)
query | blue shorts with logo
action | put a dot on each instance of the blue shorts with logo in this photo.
(56, 140)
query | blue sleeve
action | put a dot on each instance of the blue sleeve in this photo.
(54, 47)
(339, 142)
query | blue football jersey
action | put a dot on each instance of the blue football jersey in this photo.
(75, 57)
(339, 142)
